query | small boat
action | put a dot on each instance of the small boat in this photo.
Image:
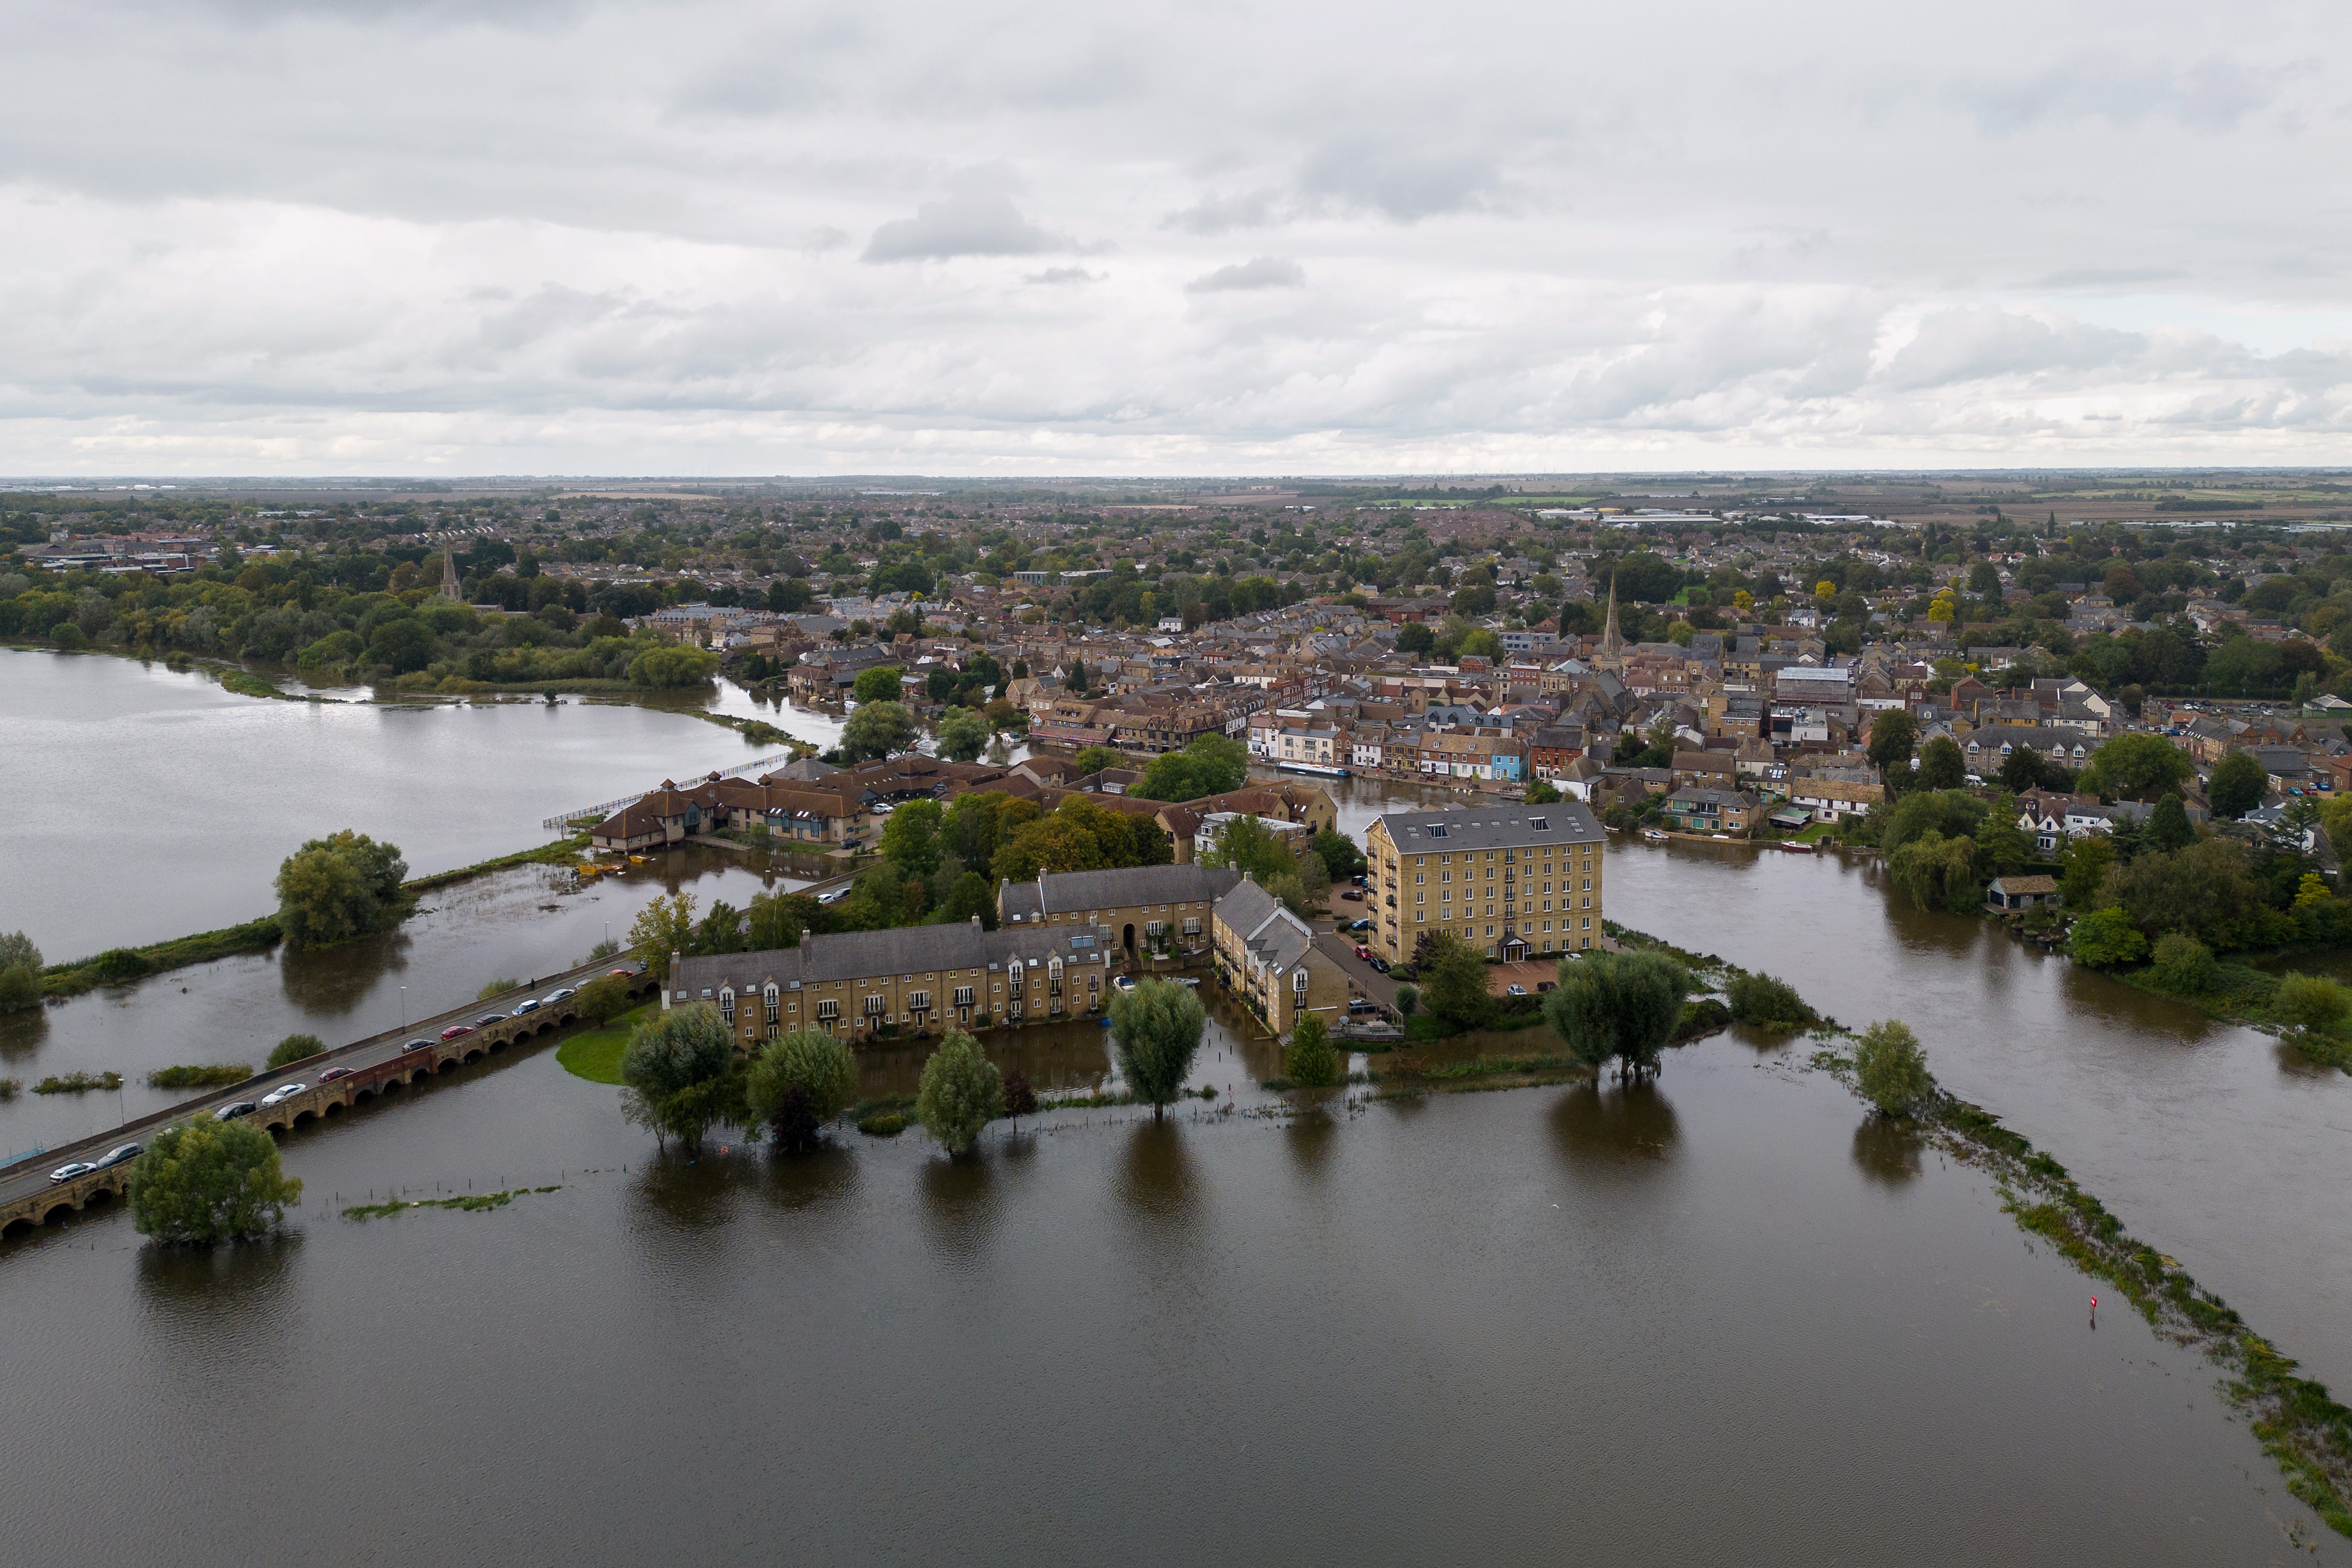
(1653, 836)
(1320, 770)
(636, 859)
(1793, 848)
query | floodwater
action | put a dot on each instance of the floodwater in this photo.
(1720, 1318)
(1715, 1319)
(150, 804)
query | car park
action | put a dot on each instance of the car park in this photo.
(120, 1152)
(331, 1074)
(67, 1172)
(453, 1030)
(530, 1006)
(283, 1094)
(231, 1113)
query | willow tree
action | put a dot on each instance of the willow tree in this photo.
(1156, 1028)
(1618, 1005)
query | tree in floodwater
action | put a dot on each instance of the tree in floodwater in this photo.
(1156, 1028)
(203, 1182)
(799, 1083)
(960, 1094)
(1618, 1005)
(678, 1067)
(334, 889)
(1891, 1067)
(1310, 1063)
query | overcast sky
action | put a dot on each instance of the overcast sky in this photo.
(261, 236)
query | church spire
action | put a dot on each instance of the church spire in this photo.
(449, 573)
(1612, 642)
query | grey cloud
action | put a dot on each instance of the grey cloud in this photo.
(1259, 272)
(2097, 278)
(970, 223)
(1223, 215)
(2209, 97)
(1406, 180)
(782, 72)
(1980, 341)
(1057, 274)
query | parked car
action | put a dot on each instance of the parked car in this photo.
(1381, 964)
(420, 1045)
(1358, 879)
(1123, 983)
(1362, 1004)
(67, 1172)
(834, 897)
(283, 1094)
(528, 1006)
(1360, 925)
(486, 1019)
(331, 1074)
(562, 993)
(453, 1030)
(1514, 990)
(231, 1113)
(1544, 986)
(1354, 895)
(120, 1152)
(1191, 980)
(1363, 952)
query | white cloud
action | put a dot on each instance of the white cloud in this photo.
(1258, 272)
(618, 237)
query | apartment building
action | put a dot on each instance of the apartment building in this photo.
(1142, 908)
(1510, 880)
(1267, 957)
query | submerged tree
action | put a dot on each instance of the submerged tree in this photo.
(961, 1093)
(677, 1068)
(1621, 1006)
(206, 1182)
(334, 889)
(1892, 1069)
(799, 1083)
(1156, 1028)
(1310, 1063)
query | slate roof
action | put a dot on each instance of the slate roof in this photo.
(871, 954)
(1499, 826)
(1076, 892)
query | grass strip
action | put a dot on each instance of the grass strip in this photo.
(596, 1054)
(214, 1075)
(472, 1202)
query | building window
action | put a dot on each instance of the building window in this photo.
(828, 1009)
(873, 1006)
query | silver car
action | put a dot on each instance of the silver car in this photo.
(67, 1172)
(283, 1094)
(120, 1152)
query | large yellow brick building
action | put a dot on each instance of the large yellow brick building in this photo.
(1510, 880)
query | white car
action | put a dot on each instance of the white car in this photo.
(67, 1172)
(560, 994)
(280, 1095)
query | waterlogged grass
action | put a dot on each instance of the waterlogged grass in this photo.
(78, 1083)
(121, 965)
(199, 1077)
(472, 1202)
(597, 1053)
(2242, 994)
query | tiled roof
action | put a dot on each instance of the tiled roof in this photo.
(1077, 892)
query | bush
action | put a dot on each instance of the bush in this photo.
(2105, 937)
(2308, 1000)
(1892, 1069)
(2183, 965)
(1408, 1001)
(1020, 1100)
(117, 964)
(195, 1076)
(1772, 1004)
(294, 1047)
(604, 999)
(205, 1181)
(962, 1092)
(1310, 1062)
(883, 1124)
(20, 988)
(498, 988)
(1455, 980)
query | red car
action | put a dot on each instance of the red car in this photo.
(453, 1030)
(624, 974)
(331, 1074)
(1363, 951)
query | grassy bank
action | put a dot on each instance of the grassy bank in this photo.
(562, 852)
(2241, 994)
(596, 1054)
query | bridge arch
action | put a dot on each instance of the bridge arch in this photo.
(59, 1212)
(20, 1222)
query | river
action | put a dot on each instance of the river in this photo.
(1720, 1318)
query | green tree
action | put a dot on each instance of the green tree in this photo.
(1246, 843)
(20, 972)
(1772, 1004)
(1620, 1005)
(960, 1094)
(1310, 1062)
(879, 684)
(2183, 964)
(669, 668)
(1892, 1069)
(1892, 734)
(2137, 767)
(1543, 792)
(972, 895)
(2167, 825)
(201, 1183)
(777, 919)
(677, 1065)
(1211, 765)
(1155, 1028)
(294, 1048)
(878, 730)
(665, 925)
(2083, 870)
(602, 999)
(1936, 872)
(1094, 759)
(1342, 861)
(1452, 980)
(2237, 787)
(332, 890)
(2310, 1002)
(910, 838)
(1941, 766)
(2106, 937)
(963, 735)
(1078, 676)
(800, 1082)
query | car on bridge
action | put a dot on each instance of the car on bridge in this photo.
(67, 1172)
(417, 1046)
(284, 1092)
(453, 1030)
(118, 1153)
(331, 1074)
(560, 994)
(231, 1113)
(486, 1019)
(530, 1006)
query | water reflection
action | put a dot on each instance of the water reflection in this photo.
(21, 1034)
(198, 1294)
(1887, 1150)
(689, 1193)
(963, 1200)
(1615, 1125)
(813, 1180)
(1309, 1140)
(1156, 1181)
(332, 981)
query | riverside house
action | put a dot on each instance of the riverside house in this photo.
(1509, 879)
(1267, 957)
